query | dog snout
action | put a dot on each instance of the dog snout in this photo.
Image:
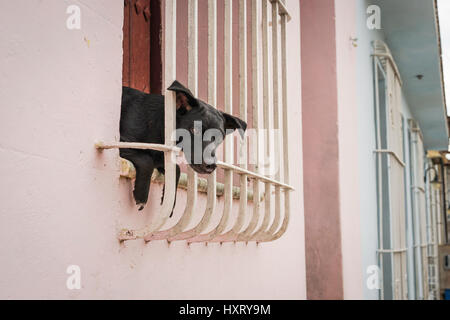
(211, 167)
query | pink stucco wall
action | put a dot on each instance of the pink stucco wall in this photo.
(63, 203)
(330, 119)
(321, 150)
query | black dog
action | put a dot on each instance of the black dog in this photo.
(142, 120)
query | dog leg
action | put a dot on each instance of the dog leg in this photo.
(144, 168)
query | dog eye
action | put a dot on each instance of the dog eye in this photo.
(194, 130)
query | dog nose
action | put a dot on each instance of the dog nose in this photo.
(211, 167)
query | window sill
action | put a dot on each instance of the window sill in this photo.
(127, 170)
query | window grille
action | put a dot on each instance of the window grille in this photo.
(418, 193)
(261, 228)
(390, 174)
(433, 231)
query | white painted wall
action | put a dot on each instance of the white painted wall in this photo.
(349, 184)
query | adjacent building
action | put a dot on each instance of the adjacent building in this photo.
(348, 199)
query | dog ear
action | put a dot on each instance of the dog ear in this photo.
(234, 123)
(185, 98)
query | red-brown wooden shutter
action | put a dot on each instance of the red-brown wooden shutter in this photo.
(142, 58)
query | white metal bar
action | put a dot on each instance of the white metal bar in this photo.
(228, 144)
(416, 215)
(212, 94)
(283, 10)
(418, 189)
(220, 164)
(392, 216)
(136, 145)
(379, 172)
(170, 116)
(389, 57)
(266, 112)
(287, 203)
(276, 124)
(243, 156)
(232, 234)
(193, 86)
(263, 178)
(392, 250)
(392, 153)
(247, 232)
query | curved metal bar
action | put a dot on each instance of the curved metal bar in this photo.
(228, 152)
(266, 106)
(263, 233)
(233, 233)
(170, 116)
(178, 233)
(228, 202)
(166, 210)
(193, 85)
(204, 222)
(244, 235)
(187, 214)
(287, 203)
(285, 224)
(283, 10)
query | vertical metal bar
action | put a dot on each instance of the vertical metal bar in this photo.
(228, 150)
(429, 234)
(418, 240)
(438, 238)
(193, 86)
(276, 121)
(266, 109)
(285, 126)
(444, 203)
(233, 233)
(170, 116)
(243, 158)
(228, 147)
(409, 193)
(275, 162)
(212, 94)
(393, 215)
(379, 171)
(245, 235)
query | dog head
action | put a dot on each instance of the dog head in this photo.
(201, 129)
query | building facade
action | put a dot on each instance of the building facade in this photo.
(345, 200)
(371, 111)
